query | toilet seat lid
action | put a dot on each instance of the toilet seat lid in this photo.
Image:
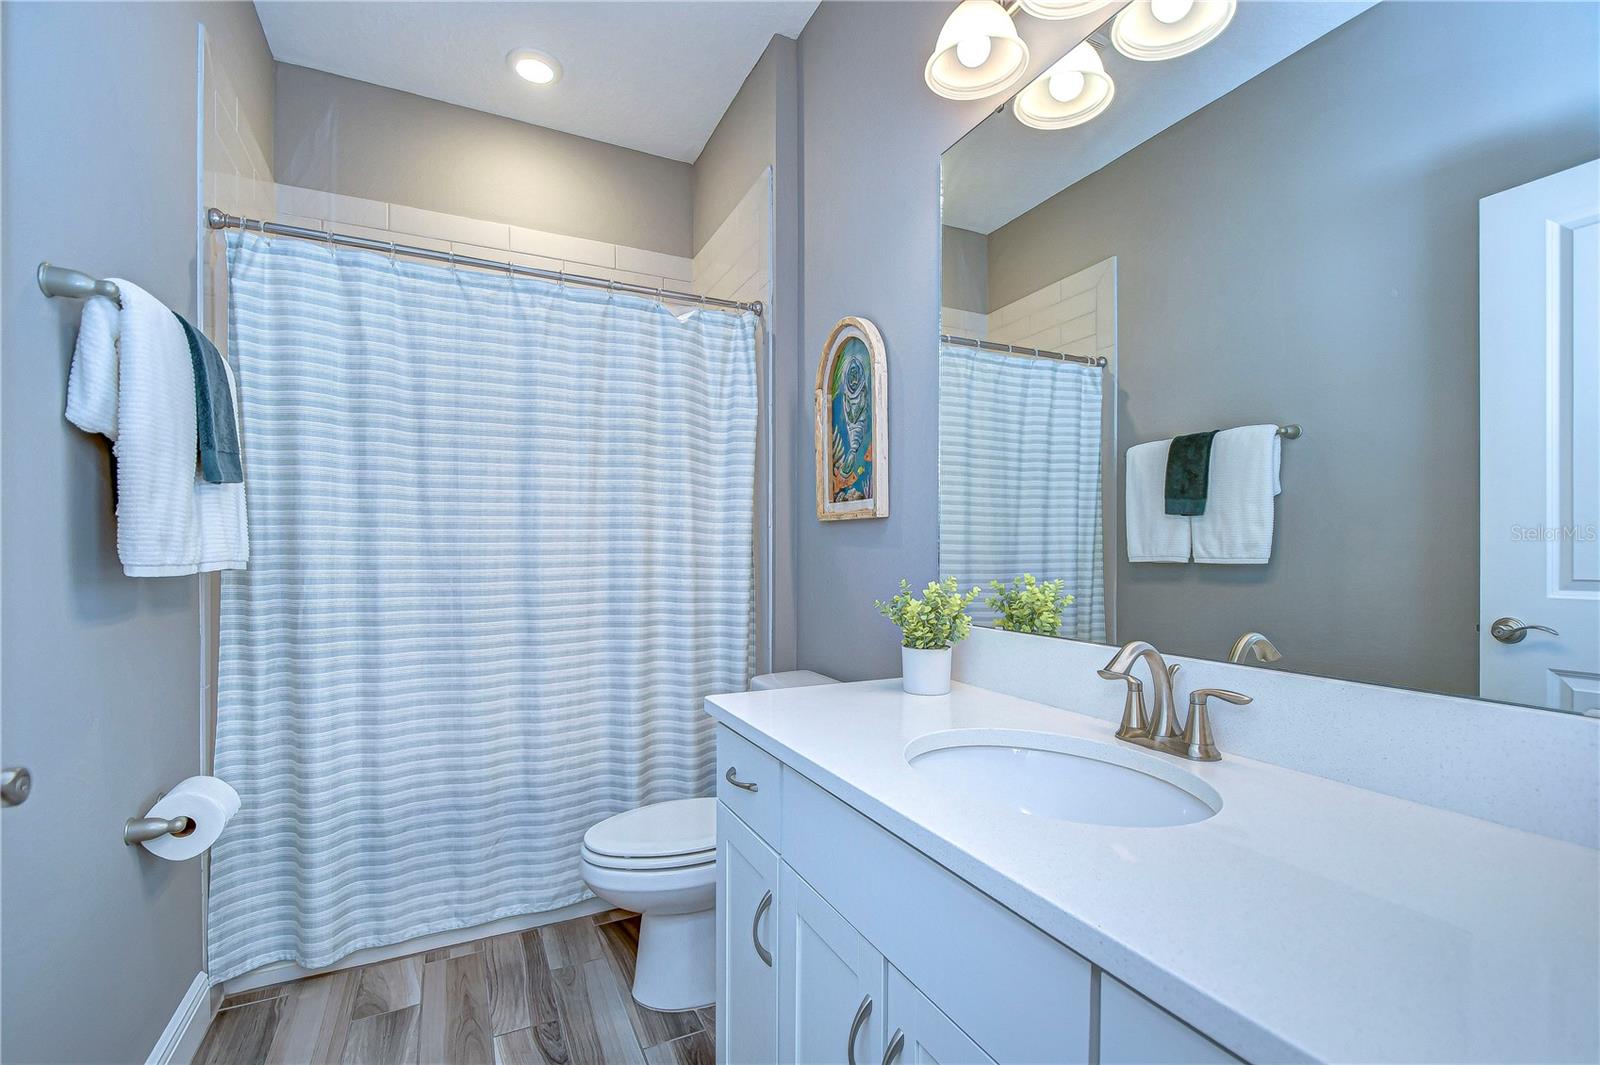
(660, 830)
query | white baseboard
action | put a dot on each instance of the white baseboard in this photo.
(283, 971)
(187, 1029)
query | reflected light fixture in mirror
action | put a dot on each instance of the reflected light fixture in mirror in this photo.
(1062, 9)
(978, 53)
(1152, 30)
(1071, 92)
(534, 66)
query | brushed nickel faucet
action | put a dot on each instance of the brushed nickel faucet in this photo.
(1161, 731)
(1254, 643)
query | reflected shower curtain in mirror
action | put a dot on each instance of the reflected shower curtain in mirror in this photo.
(1019, 477)
(502, 549)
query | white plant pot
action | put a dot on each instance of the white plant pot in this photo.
(925, 672)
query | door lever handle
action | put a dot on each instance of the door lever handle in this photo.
(1512, 630)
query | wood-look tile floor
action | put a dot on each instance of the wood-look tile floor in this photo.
(558, 994)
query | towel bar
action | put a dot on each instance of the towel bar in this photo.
(74, 284)
(1289, 432)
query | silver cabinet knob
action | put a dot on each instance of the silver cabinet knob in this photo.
(15, 784)
(731, 776)
(1512, 630)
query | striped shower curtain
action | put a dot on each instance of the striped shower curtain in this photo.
(501, 550)
(1019, 477)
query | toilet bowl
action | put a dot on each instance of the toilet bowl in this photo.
(660, 861)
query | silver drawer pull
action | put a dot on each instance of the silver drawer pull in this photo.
(895, 1046)
(755, 930)
(862, 1012)
(747, 785)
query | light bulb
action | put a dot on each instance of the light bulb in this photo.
(1170, 12)
(535, 66)
(536, 71)
(1065, 86)
(973, 52)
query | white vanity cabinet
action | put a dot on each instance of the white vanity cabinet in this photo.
(1135, 1031)
(916, 1032)
(873, 947)
(830, 986)
(747, 942)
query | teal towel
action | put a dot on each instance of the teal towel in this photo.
(213, 410)
(1189, 473)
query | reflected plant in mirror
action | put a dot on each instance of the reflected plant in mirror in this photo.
(1026, 605)
(1213, 220)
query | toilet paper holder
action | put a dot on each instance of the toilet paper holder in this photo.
(143, 829)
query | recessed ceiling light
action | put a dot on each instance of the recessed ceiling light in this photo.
(537, 67)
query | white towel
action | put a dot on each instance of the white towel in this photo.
(1236, 528)
(132, 381)
(1153, 534)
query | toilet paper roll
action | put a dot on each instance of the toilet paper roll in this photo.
(207, 801)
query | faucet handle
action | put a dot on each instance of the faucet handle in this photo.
(1197, 742)
(1135, 721)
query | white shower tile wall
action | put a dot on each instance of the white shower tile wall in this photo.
(1075, 314)
(736, 263)
(234, 176)
(437, 231)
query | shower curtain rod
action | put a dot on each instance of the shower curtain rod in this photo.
(1013, 349)
(218, 219)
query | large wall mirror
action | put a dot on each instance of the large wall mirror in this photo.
(1293, 334)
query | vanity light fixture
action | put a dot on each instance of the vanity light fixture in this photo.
(537, 67)
(978, 53)
(1053, 10)
(1071, 92)
(1152, 30)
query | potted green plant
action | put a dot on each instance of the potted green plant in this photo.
(1027, 605)
(930, 625)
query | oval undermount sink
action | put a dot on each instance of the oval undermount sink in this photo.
(1046, 775)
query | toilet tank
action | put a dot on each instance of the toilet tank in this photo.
(794, 678)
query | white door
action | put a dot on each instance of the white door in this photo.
(1539, 379)
(917, 1032)
(830, 983)
(747, 947)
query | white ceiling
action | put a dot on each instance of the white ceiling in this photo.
(654, 76)
(1003, 168)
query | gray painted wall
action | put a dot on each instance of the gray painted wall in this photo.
(871, 136)
(1316, 262)
(742, 145)
(350, 137)
(964, 269)
(101, 672)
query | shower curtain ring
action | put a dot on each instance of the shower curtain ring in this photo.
(392, 253)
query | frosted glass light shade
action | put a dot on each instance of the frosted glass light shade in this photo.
(1138, 33)
(1040, 106)
(1062, 9)
(537, 67)
(996, 70)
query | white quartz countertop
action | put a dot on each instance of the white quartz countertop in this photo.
(1306, 919)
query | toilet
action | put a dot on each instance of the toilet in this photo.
(660, 861)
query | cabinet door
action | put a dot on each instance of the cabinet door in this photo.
(1135, 1031)
(747, 926)
(918, 1033)
(830, 983)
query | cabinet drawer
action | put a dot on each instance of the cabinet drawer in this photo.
(748, 783)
